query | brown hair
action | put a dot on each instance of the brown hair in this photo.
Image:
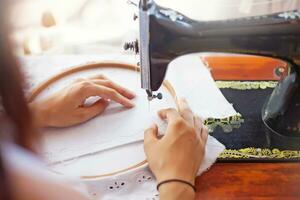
(11, 87)
(12, 97)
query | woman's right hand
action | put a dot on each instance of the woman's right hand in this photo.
(179, 153)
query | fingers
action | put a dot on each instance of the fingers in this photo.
(104, 81)
(169, 114)
(201, 130)
(111, 94)
(204, 134)
(185, 111)
(100, 76)
(198, 125)
(150, 135)
(185, 114)
(105, 92)
(94, 110)
(123, 91)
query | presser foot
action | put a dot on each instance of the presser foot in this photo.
(151, 96)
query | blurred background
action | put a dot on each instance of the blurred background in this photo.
(102, 26)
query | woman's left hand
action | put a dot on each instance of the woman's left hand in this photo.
(66, 107)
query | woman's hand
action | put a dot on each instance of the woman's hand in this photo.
(179, 153)
(66, 107)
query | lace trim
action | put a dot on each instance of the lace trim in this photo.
(246, 85)
(252, 152)
(227, 124)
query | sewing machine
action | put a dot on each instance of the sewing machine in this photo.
(166, 34)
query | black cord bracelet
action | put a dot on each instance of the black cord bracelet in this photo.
(176, 180)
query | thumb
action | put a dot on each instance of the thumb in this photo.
(95, 109)
(150, 136)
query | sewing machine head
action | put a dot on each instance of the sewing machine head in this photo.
(166, 34)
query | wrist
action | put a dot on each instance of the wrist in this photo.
(39, 114)
(174, 175)
(176, 190)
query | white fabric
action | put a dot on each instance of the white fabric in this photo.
(138, 183)
(115, 127)
(198, 87)
(192, 80)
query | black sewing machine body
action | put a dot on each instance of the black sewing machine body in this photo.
(166, 34)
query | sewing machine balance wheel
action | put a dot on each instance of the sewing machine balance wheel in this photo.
(96, 149)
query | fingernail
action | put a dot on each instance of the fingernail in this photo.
(132, 93)
(153, 126)
(131, 104)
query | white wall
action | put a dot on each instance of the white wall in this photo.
(103, 25)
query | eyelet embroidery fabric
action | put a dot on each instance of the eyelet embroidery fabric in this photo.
(140, 183)
(136, 184)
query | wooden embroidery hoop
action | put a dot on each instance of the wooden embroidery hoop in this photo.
(41, 87)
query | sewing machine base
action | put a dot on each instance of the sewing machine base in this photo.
(252, 141)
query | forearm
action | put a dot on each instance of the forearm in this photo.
(176, 191)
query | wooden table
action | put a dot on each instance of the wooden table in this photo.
(250, 181)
